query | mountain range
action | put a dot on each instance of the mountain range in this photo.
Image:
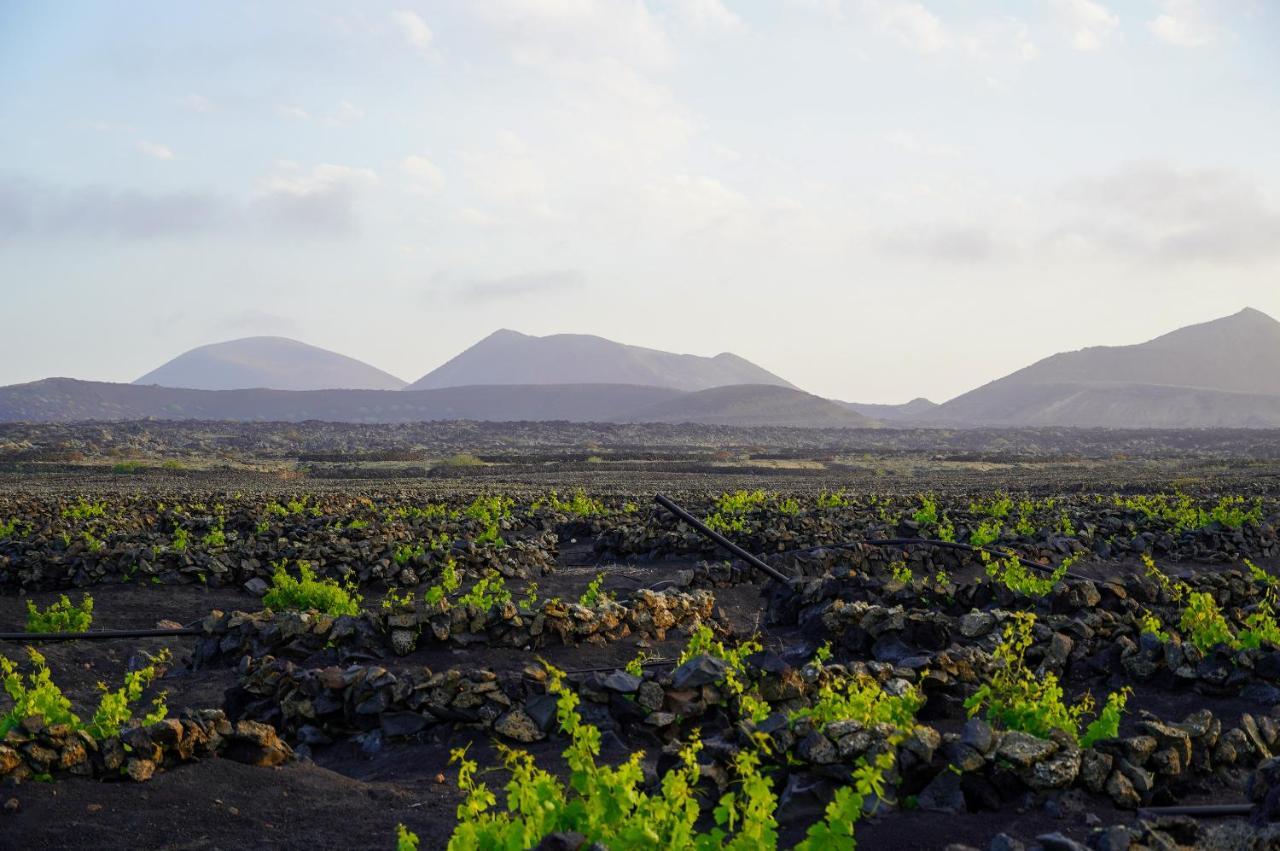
(275, 363)
(509, 357)
(1222, 373)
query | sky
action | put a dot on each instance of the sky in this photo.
(875, 199)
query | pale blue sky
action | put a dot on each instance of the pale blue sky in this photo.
(877, 199)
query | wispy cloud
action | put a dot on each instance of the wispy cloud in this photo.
(485, 289)
(41, 209)
(319, 200)
(1160, 213)
(415, 31)
(1183, 23)
(155, 150)
(424, 175)
(1088, 25)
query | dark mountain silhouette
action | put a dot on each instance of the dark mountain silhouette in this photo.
(275, 363)
(906, 412)
(1220, 373)
(66, 399)
(754, 405)
(509, 357)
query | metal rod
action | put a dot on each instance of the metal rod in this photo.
(1202, 810)
(707, 532)
(33, 637)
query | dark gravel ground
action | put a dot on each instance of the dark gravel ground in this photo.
(347, 798)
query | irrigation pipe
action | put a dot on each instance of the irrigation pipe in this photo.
(711, 534)
(902, 542)
(1199, 811)
(758, 564)
(97, 634)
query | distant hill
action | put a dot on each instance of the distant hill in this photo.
(509, 357)
(275, 363)
(1220, 373)
(754, 405)
(906, 412)
(66, 399)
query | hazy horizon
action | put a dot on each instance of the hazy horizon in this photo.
(874, 199)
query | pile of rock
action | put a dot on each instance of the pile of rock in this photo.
(298, 635)
(35, 749)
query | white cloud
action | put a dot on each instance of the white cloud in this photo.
(540, 32)
(344, 113)
(293, 113)
(707, 16)
(1173, 215)
(414, 29)
(197, 103)
(832, 9)
(913, 144)
(911, 24)
(155, 150)
(1088, 25)
(1182, 23)
(426, 176)
(319, 200)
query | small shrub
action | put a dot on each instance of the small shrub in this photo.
(406, 553)
(988, 532)
(579, 504)
(837, 499)
(1231, 513)
(37, 694)
(449, 582)
(611, 806)
(10, 529)
(1017, 698)
(1013, 574)
(462, 459)
(127, 467)
(927, 513)
(216, 538)
(1203, 623)
(406, 840)
(861, 699)
(1149, 624)
(731, 510)
(594, 593)
(82, 509)
(1107, 724)
(998, 507)
(307, 593)
(489, 591)
(62, 616)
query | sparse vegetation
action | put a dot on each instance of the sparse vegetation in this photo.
(1018, 698)
(307, 593)
(62, 616)
(35, 694)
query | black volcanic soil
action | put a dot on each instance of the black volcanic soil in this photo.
(347, 798)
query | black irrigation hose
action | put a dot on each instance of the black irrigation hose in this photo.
(755, 562)
(900, 542)
(33, 637)
(1199, 811)
(707, 532)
